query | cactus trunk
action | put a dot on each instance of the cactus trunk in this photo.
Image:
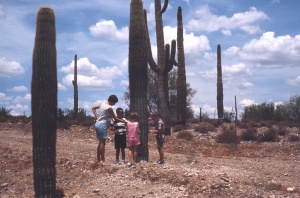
(138, 68)
(220, 106)
(181, 80)
(163, 66)
(75, 88)
(44, 104)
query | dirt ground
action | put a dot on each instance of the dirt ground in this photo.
(197, 168)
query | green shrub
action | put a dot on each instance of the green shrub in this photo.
(186, 135)
(249, 134)
(228, 136)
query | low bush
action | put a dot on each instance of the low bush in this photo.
(186, 135)
(269, 135)
(178, 127)
(228, 136)
(204, 127)
(293, 138)
(282, 131)
(249, 134)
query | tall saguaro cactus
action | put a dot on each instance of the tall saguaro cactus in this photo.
(181, 80)
(137, 66)
(44, 104)
(164, 64)
(75, 88)
(220, 105)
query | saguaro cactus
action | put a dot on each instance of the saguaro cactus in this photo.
(75, 88)
(44, 104)
(164, 64)
(137, 66)
(220, 105)
(181, 80)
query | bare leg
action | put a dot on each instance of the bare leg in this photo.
(130, 154)
(134, 154)
(117, 154)
(102, 150)
(123, 154)
(161, 154)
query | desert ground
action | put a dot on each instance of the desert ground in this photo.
(197, 168)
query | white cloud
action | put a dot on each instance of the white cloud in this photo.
(108, 29)
(19, 109)
(193, 45)
(238, 83)
(85, 67)
(88, 82)
(18, 88)
(294, 82)
(246, 102)
(232, 51)
(2, 13)
(22, 99)
(268, 50)
(207, 21)
(238, 70)
(61, 87)
(124, 83)
(4, 99)
(10, 68)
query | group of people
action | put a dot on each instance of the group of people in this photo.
(126, 131)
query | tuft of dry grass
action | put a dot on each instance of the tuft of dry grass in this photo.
(204, 127)
(186, 135)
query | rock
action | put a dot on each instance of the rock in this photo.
(290, 189)
(4, 185)
(96, 190)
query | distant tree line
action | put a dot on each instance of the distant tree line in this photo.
(289, 111)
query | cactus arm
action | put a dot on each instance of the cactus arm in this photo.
(173, 51)
(165, 6)
(150, 59)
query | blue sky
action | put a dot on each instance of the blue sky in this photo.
(260, 47)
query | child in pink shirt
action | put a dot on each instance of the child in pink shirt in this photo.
(133, 132)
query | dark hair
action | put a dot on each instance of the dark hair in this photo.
(155, 114)
(119, 110)
(113, 98)
(133, 115)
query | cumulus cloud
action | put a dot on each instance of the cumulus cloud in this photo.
(232, 51)
(88, 82)
(10, 68)
(19, 109)
(294, 82)
(18, 88)
(4, 99)
(268, 50)
(85, 67)
(247, 102)
(238, 83)
(192, 44)
(22, 99)
(245, 21)
(108, 29)
(89, 76)
(237, 70)
(61, 87)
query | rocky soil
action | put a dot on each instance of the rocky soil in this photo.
(197, 168)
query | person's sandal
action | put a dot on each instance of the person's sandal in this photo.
(160, 162)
